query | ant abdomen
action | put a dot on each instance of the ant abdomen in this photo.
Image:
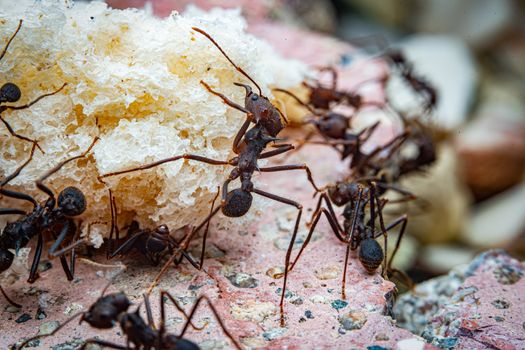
(172, 342)
(9, 92)
(6, 259)
(237, 203)
(72, 201)
(370, 254)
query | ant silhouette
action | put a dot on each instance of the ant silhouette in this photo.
(111, 309)
(54, 216)
(10, 93)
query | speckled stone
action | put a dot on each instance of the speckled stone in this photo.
(470, 308)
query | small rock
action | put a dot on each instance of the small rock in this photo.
(12, 309)
(214, 344)
(501, 304)
(507, 274)
(339, 304)
(73, 344)
(297, 301)
(32, 344)
(275, 272)
(253, 342)
(499, 319)
(376, 347)
(243, 280)
(23, 318)
(253, 310)
(44, 265)
(274, 333)
(40, 314)
(353, 320)
(48, 327)
(328, 272)
(382, 337)
(74, 307)
(318, 299)
(308, 314)
(410, 344)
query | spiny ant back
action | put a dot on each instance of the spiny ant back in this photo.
(72, 201)
(370, 254)
(9, 92)
(238, 202)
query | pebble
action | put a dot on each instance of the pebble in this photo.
(410, 344)
(73, 344)
(318, 299)
(74, 307)
(23, 318)
(44, 265)
(507, 275)
(243, 280)
(275, 272)
(12, 309)
(214, 344)
(339, 304)
(32, 344)
(48, 327)
(274, 333)
(376, 347)
(253, 342)
(328, 272)
(253, 310)
(500, 304)
(309, 314)
(40, 314)
(353, 320)
(382, 337)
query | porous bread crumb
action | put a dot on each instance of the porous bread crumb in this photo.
(133, 80)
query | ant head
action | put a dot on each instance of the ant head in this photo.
(172, 342)
(343, 192)
(9, 92)
(104, 312)
(370, 254)
(6, 259)
(71, 201)
(163, 230)
(237, 203)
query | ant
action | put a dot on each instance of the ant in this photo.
(54, 216)
(419, 84)
(107, 310)
(356, 232)
(153, 244)
(10, 93)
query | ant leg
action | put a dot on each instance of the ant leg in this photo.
(167, 160)
(127, 244)
(40, 181)
(104, 343)
(18, 195)
(9, 211)
(282, 148)
(33, 274)
(297, 99)
(10, 39)
(238, 137)
(164, 297)
(333, 224)
(27, 105)
(149, 314)
(62, 325)
(333, 72)
(9, 300)
(73, 256)
(217, 316)
(201, 261)
(407, 195)
(58, 241)
(292, 167)
(330, 209)
(227, 101)
(290, 246)
(18, 136)
(19, 169)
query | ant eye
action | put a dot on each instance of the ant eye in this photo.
(9, 92)
(72, 201)
(255, 97)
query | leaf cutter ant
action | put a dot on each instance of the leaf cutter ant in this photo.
(55, 216)
(10, 93)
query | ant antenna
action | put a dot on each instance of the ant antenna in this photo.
(10, 39)
(297, 99)
(228, 58)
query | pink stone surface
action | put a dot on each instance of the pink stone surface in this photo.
(251, 314)
(478, 307)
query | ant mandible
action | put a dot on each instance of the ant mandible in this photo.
(54, 216)
(108, 310)
(10, 93)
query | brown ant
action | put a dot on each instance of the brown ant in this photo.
(356, 232)
(111, 309)
(54, 216)
(10, 93)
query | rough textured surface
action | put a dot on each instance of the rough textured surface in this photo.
(479, 306)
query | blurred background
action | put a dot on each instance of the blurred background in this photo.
(473, 52)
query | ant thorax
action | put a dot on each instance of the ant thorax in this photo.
(265, 113)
